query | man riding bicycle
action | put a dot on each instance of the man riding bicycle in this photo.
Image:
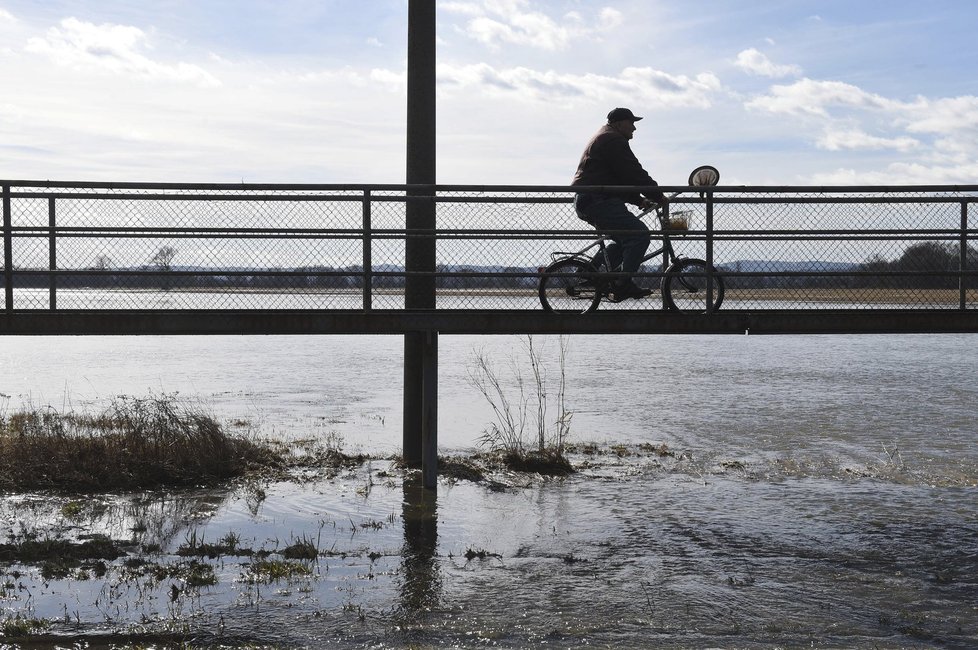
(607, 161)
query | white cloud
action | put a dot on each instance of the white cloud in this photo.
(635, 86)
(464, 8)
(955, 115)
(753, 61)
(113, 48)
(499, 22)
(610, 18)
(922, 140)
(808, 96)
(901, 173)
(855, 139)
(393, 81)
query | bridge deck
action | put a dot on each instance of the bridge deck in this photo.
(198, 322)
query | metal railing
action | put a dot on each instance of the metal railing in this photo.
(132, 246)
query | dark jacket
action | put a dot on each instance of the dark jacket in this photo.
(608, 160)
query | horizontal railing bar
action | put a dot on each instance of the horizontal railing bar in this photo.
(527, 272)
(826, 200)
(244, 187)
(556, 236)
(319, 198)
(66, 231)
(372, 187)
(259, 198)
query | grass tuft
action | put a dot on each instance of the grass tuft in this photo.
(22, 627)
(303, 549)
(549, 462)
(136, 443)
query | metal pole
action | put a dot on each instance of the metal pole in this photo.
(419, 246)
(420, 363)
(8, 252)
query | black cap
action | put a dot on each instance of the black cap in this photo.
(619, 114)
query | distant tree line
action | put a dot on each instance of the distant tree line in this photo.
(922, 258)
(272, 278)
(922, 265)
(926, 256)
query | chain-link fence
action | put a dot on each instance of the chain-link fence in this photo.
(217, 247)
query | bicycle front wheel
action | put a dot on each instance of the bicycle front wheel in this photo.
(684, 287)
(568, 286)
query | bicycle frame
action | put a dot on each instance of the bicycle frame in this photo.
(666, 250)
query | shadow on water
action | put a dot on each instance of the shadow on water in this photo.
(421, 589)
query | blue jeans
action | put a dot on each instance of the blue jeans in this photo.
(608, 213)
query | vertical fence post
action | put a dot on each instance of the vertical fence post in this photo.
(8, 252)
(420, 362)
(664, 260)
(963, 258)
(709, 252)
(52, 257)
(368, 264)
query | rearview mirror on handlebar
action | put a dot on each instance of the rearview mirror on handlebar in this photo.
(704, 176)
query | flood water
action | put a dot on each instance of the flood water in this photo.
(815, 491)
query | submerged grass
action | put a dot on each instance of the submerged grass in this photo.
(136, 443)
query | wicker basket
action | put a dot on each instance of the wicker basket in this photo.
(676, 223)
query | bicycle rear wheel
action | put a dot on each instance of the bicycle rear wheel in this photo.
(568, 286)
(684, 287)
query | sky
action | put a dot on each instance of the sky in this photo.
(772, 92)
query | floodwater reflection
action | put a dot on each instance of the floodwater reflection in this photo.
(421, 588)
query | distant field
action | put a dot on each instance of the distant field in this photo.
(909, 297)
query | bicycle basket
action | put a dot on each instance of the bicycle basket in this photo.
(676, 222)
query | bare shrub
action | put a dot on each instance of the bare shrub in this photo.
(511, 400)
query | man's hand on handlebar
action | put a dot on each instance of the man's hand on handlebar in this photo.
(648, 204)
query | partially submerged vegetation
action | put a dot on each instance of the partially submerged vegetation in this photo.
(534, 405)
(161, 442)
(136, 443)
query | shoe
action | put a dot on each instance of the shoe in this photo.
(629, 290)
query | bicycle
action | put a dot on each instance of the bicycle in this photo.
(578, 281)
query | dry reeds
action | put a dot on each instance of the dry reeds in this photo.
(136, 443)
(511, 407)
